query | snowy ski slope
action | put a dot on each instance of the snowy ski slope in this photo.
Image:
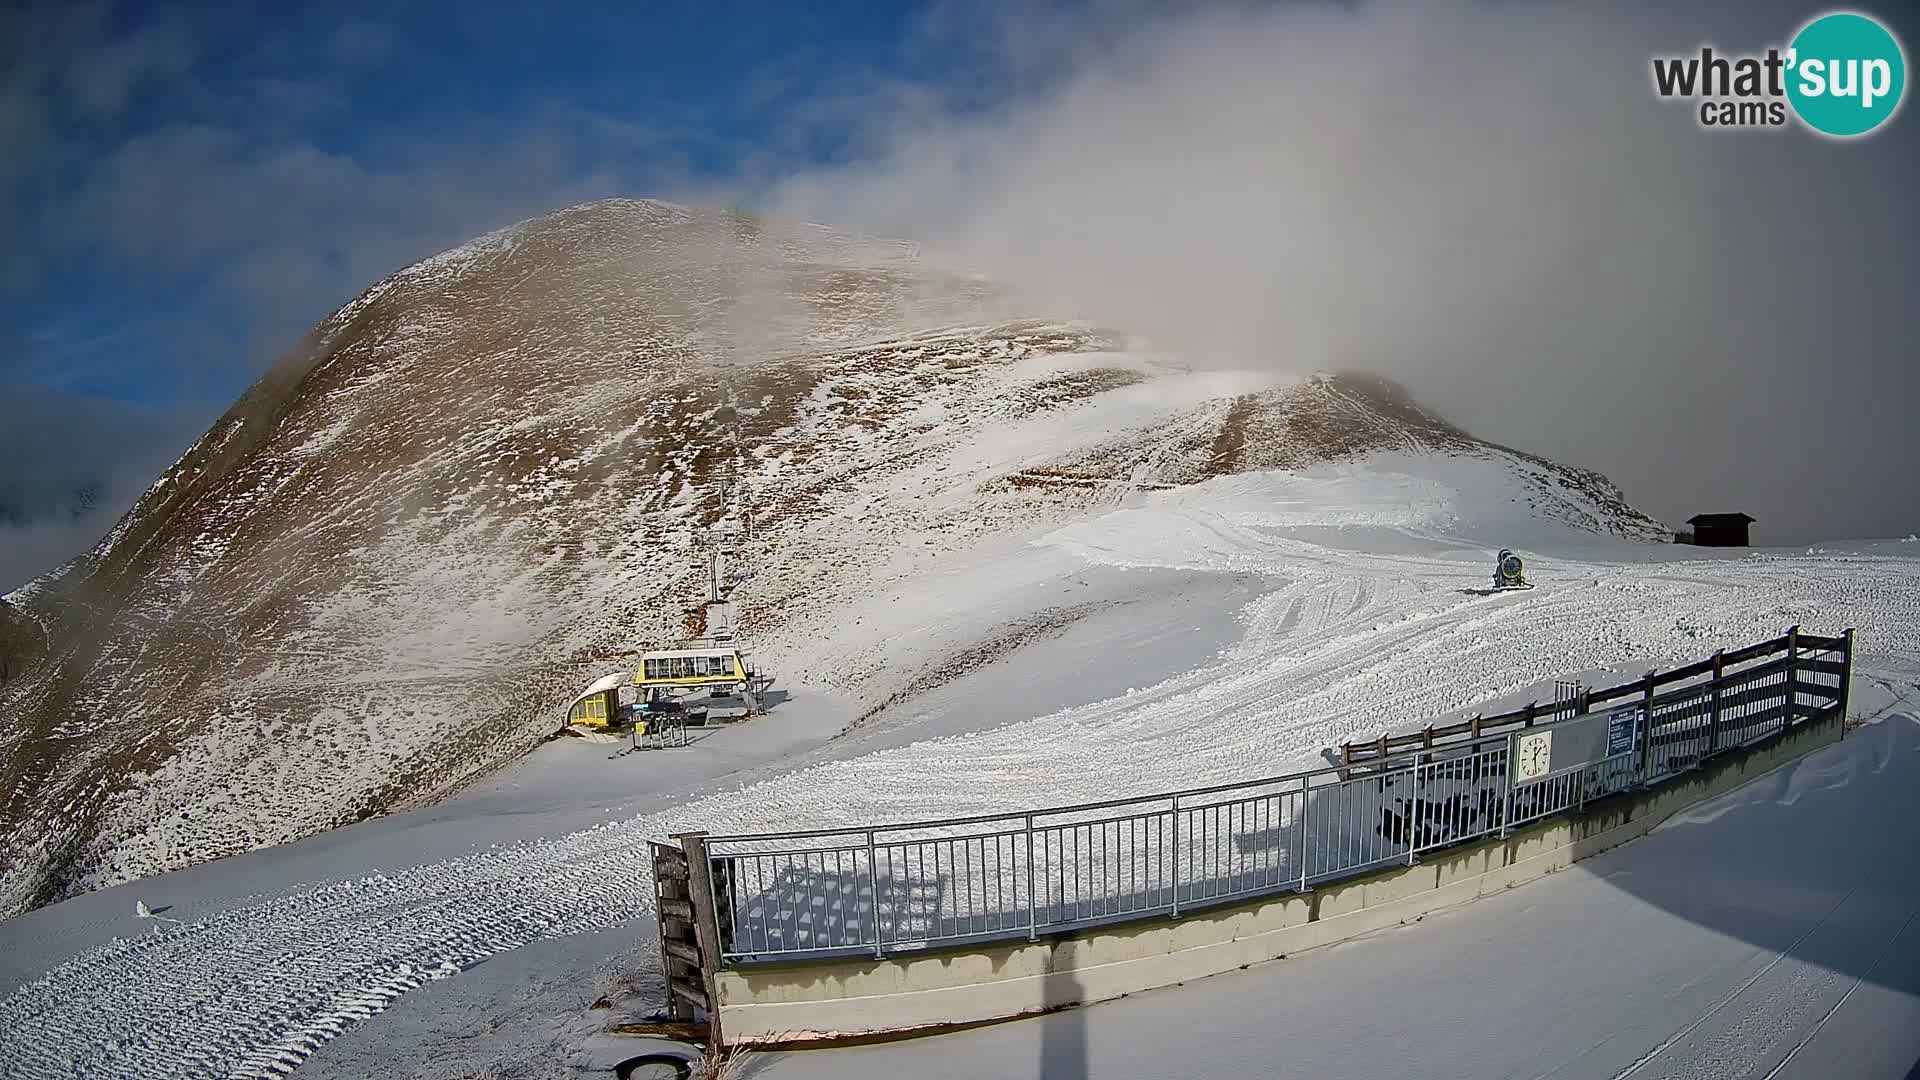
(1364, 624)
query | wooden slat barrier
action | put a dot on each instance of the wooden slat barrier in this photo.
(1824, 667)
(1793, 642)
(689, 942)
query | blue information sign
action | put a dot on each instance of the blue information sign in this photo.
(1621, 725)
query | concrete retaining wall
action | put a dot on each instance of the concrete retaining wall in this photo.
(860, 998)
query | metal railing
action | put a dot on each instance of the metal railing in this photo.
(918, 885)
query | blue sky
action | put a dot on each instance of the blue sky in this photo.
(185, 189)
(1479, 197)
(202, 182)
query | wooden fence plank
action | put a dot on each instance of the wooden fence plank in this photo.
(1692, 699)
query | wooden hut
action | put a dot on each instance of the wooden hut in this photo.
(1720, 530)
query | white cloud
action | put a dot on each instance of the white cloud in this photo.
(1484, 200)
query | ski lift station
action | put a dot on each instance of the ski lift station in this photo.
(708, 680)
(695, 681)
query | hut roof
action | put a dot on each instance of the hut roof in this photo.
(600, 686)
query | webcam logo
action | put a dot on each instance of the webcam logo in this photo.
(1842, 75)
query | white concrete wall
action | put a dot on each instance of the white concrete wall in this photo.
(852, 998)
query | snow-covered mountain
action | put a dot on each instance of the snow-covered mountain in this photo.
(384, 571)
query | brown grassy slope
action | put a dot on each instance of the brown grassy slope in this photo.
(472, 489)
(22, 643)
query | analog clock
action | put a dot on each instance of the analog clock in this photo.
(1533, 756)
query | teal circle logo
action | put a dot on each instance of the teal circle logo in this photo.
(1846, 74)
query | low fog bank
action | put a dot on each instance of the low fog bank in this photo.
(1486, 202)
(71, 466)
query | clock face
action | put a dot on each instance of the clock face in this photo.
(1533, 756)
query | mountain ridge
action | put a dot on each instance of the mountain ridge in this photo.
(377, 575)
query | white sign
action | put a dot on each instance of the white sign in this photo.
(1532, 756)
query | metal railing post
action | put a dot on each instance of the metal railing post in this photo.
(1033, 882)
(1846, 676)
(1581, 705)
(1304, 790)
(1793, 679)
(1506, 796)
(1413, 814)
(1175, 875)
(873, 882)
(1713, 716)
(1646, 729)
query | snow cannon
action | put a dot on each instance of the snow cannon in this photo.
(1509, 572)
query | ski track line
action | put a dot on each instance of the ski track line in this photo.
(1649, 1057)
(1829, 1014)
(1346, 642)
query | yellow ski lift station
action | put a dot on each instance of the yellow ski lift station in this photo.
(598, 705)
(716, 666)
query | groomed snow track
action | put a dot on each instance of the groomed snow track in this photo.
(1349, 641)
